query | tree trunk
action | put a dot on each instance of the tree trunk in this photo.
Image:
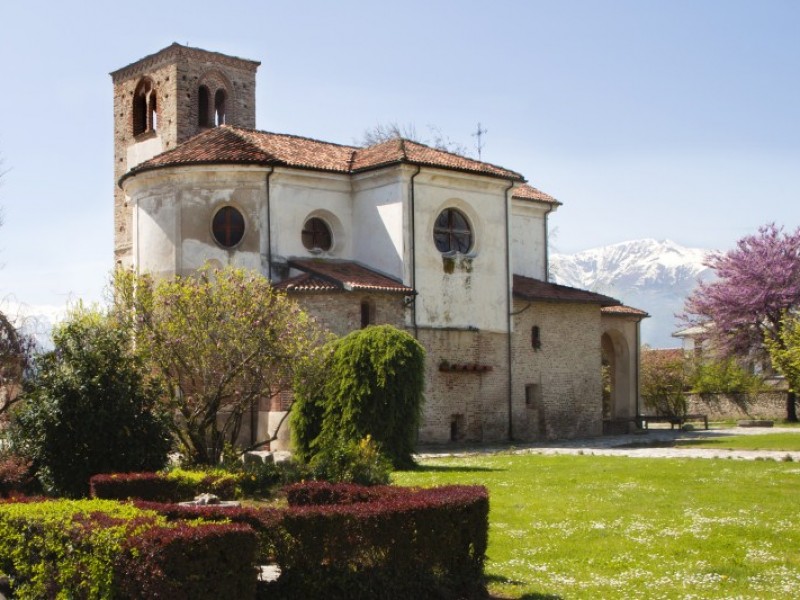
(791, 407)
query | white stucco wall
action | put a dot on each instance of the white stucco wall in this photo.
(529, 238)
(461, 291)
(295, 197)
(378, 220)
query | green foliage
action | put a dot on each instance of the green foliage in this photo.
(371, 385)
(784, 350)
(664, 378)
(724, 376)
(88, 408)
(346, 461)
(221, 341)
(52, 550)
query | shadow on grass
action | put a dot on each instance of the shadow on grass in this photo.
(451, 469)
(529, 596)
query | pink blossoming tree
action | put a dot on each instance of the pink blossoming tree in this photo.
(757, 285)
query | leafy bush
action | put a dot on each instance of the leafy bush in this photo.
(88, 409)
(664, 379)
(372, 386)
(724, 377)
(15, 475)
(344, 461)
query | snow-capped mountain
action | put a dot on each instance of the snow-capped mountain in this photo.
(655, 276)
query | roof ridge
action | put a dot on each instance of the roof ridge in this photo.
(290, 135)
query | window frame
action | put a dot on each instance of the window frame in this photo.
(449, 237)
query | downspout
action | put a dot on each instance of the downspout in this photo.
(269, 225)
(638, 365)
(509, 316)
(254, 404)
(412, 224)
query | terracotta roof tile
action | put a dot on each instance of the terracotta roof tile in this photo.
(308, 284)
(340, 275)
(528, 288)
(624, 310)
(528, 192)
(228, 144)
(406, 151)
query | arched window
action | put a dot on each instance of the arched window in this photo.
(451, 232)
(145, 111)
(316, 235)
(228, 227)
(202, 106)
(219, 106)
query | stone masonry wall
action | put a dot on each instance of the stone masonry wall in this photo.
(466, 385)
(340, 312)
(557, 387)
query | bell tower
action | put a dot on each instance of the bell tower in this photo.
(164, 99)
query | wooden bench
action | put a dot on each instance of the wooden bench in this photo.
(644, 420)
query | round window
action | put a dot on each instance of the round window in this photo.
(451, 232)
(317, 235)
(228, 227)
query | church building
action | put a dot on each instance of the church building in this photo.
(448, 248)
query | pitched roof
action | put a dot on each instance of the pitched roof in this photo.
(528, 192)
(228, 144)
(329, 275)
(622, 310)
(528, 288)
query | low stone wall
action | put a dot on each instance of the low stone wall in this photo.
(766, 405)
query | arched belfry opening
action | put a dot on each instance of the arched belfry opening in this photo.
(203, 116)
(145, 109)
(220, 100)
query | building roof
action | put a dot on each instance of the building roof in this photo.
(624, 311)
(236, 145)
(528, 288)
(330, 275)
(528, 192)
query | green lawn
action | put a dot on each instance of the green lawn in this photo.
(608, 527)
(766, 441)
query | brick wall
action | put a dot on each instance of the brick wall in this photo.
(557, 388)
(464, 405)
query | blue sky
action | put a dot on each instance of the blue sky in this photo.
(661, 118)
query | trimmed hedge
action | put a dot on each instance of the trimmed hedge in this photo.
(174, 486)
(97, 549)
(348, 541)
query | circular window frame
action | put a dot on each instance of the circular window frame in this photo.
(328, 229)
(451, 231)
(229, 244)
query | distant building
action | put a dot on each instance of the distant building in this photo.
(452, 249)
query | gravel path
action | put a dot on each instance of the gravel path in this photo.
(655, 443)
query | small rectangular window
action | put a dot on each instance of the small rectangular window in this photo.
(533, 395)
(536, 339)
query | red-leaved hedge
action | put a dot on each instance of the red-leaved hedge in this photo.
(347, 541)
(189, 562)
(158, 487)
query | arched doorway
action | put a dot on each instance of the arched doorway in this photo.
(617, 405)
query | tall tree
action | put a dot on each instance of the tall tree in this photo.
(758, 283)
(220, 341)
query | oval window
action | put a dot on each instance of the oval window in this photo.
(228, 227)
(317, 235)
(451, 232)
